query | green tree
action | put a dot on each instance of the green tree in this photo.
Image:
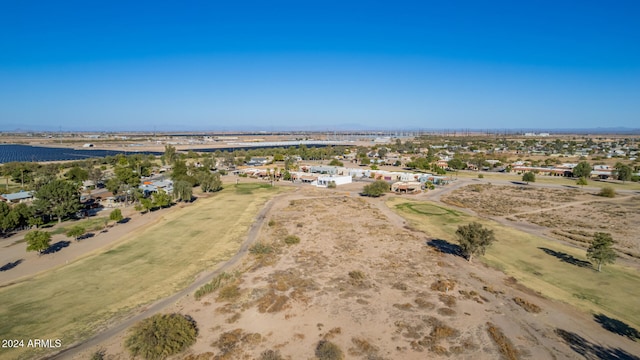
(35, 221)
(289, 163)
(601, 249)
(336, 162)
(76, 231)
(582, 181)
(8, 218)
(169, 154)
(210, 182)
(182, 190)
(623, 172)
(582, 170)
(95, 175)
(179, 170)
(126, 175)
(529, 177)
(58, 198)
(161, 199)
(382, 152)
(116, 215)
(474, 239)
(161, 335)
(147, 204)
(456, 164)
(376, 189)
(37, 241)
(77, 174)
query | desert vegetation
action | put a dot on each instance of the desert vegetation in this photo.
(161, 336)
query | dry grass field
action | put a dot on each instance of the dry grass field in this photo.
(549, 268)
(336, 274)
(570, 215)
(551, 180)
(76, 300)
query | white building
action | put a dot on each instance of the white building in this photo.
(324, 180)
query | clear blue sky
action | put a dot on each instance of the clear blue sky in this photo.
(209, 65)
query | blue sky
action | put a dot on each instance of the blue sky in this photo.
(117, 65)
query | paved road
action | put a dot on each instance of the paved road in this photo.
(158, 306)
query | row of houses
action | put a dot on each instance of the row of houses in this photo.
(566, 170)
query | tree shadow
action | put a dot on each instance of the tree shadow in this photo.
(593, 351)
(616, 326)
(86, 236)
(569, 259)
(57, 247)
(519, 183)
(445, 247)
(10, 265)
(124, 221)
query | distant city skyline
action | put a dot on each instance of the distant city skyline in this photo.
(200, 66)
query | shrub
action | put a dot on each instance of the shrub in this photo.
(229, 292)
(504, 344)
(356, 275)
(607, 191)
(271, 355)
(529, 307)
(161, 335)
(271, 223)
(98, 355)
(529, 177)
(291, 240)
(331, 185)
(336, 162)
(480, 176)
(116, 215)
(213, 285)
(261, 248)
(376, 189)
(326, 350)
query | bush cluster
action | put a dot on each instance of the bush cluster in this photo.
(161, 336)
(291, 240)
(607, 191)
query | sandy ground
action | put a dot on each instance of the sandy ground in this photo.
(360, 279)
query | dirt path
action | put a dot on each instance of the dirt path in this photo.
(202, 279)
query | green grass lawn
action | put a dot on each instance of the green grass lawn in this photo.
(71, 302)
(615, 291)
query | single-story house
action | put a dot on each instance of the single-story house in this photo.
(406, 187)
(331, 170)
(16, 198)
(325, 180)
(257, 161)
